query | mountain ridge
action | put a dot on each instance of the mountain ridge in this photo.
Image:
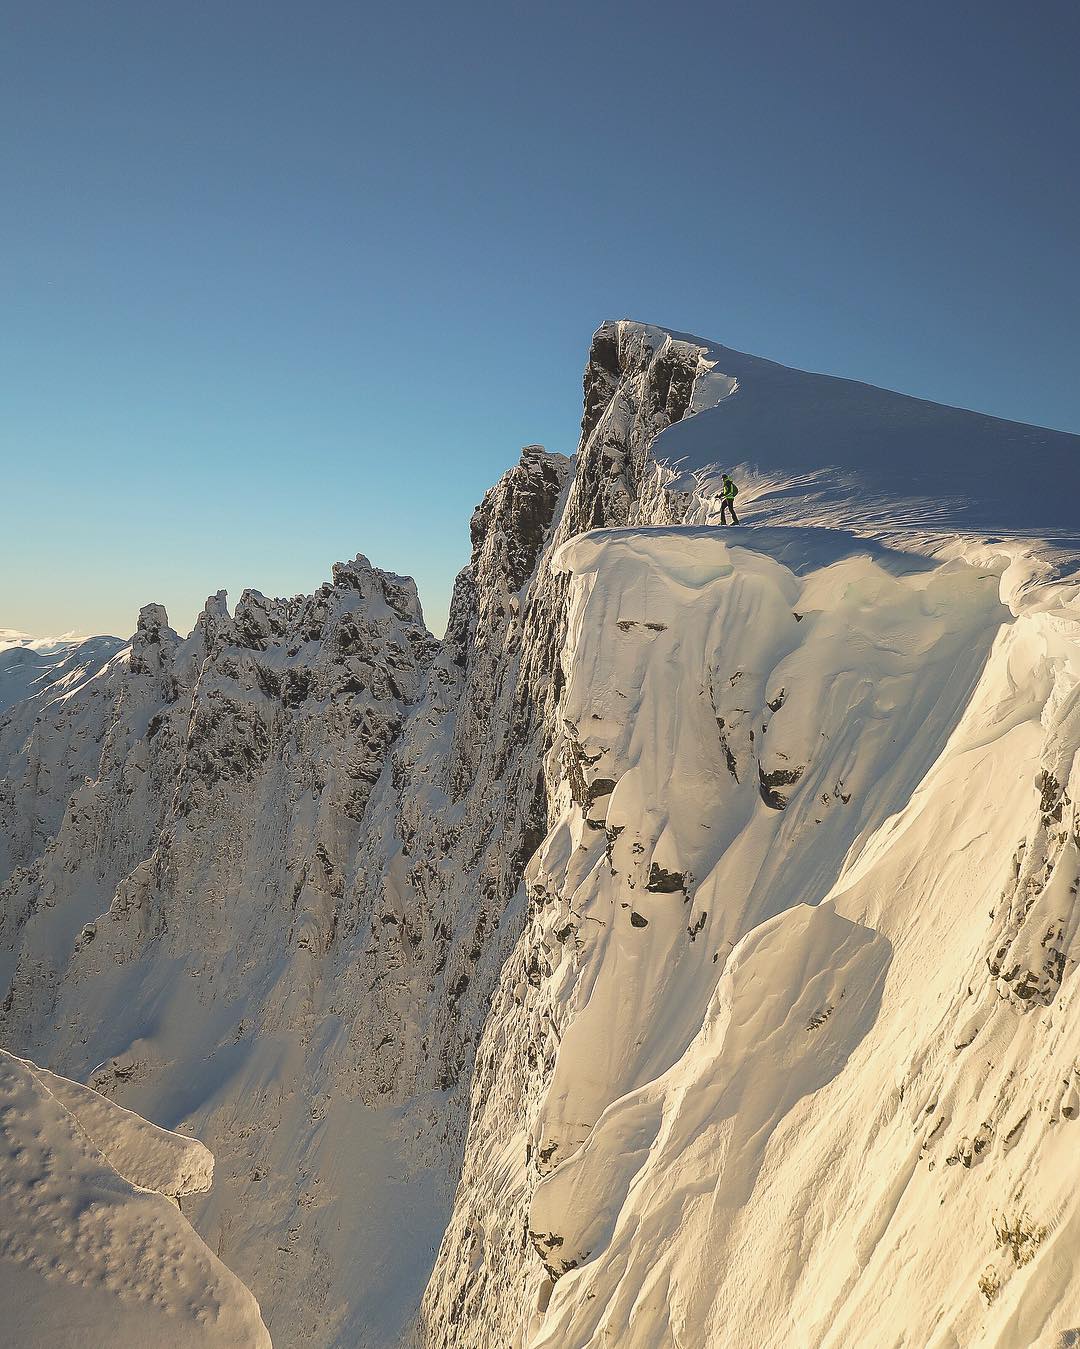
(428, 939)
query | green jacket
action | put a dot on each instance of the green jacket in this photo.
(730, 490)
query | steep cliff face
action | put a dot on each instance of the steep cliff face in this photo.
(730, 1082)
(787, 970)
(546, 953)
(201, 742)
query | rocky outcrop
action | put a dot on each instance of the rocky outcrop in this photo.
(638, 381)
(210, 859)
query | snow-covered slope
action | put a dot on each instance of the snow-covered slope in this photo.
(44, 667)
(622, 962)
(94, 1250)
(823, 450)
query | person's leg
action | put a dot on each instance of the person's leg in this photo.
(734, 517)
(723, 510)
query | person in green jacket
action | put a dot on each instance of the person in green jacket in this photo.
(729, 494)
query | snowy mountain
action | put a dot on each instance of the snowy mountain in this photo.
(683, 951)
(40, 667)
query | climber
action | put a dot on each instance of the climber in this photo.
(729, 494)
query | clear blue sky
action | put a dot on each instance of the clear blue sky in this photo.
(282, 282)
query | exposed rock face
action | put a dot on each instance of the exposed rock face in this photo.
(288, 708)
(637, 382)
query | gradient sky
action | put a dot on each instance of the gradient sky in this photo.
(282, 282)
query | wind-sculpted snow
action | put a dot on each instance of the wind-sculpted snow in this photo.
(854, 456)
(694, 1110)
(152, 1158)
(93, 1249)
(711, 1117)
(732, 730)
(703, 908)
(746, 749)
(804, 1167)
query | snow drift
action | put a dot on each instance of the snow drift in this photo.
(94, 1249)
